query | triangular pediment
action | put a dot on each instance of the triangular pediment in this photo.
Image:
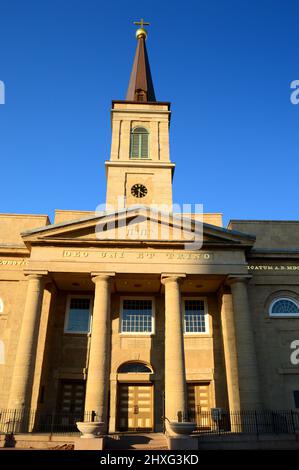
(139, 225)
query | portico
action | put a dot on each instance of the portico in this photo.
(199, 363)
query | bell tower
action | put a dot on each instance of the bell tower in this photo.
(139, 170)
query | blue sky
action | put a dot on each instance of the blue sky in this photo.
(225, 65)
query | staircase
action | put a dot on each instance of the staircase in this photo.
(150, 441)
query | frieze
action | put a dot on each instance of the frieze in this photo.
(273, 267)
(138, 255)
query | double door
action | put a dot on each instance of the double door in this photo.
(199, 404)
(70, 406)
(135, 407)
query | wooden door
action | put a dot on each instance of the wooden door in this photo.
(135, 407)
(70, 406)
(199, 405)
(72, 396)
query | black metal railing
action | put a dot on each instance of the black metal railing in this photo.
(35, 421)
(220, 421)
(217, 421)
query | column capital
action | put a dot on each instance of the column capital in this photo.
(36, 274)
(100, 276)
(172, 277)
(39, 273)
(232, 279)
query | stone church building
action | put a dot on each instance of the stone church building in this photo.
(102, 314)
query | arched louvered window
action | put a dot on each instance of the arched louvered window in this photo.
(284, 307)
(139, 143)
(134, 367)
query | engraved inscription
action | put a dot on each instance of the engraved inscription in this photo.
(13, 262)
(138, 255)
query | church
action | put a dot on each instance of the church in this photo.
(138, 316)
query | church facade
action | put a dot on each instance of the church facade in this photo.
(103, 314)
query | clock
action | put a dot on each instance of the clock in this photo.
(138, 190)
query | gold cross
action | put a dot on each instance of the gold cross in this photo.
(141, 23)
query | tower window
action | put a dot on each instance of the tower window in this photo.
(139, 143)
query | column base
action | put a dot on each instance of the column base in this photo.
(96, 443)
(182, 442)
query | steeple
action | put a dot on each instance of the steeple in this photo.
(139, 170)
(141, 87)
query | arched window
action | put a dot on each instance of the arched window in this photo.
(1, 306)
(134, 367)
(139, 143)
(284, 307)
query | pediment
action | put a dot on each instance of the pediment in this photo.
(137, 225)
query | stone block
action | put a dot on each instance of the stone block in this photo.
(96, 443)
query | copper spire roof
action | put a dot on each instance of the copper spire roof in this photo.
(141, 85)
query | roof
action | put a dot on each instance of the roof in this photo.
(141, 88)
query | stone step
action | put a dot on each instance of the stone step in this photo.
(154, 441)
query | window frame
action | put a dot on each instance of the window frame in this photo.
(283, 315)
(148, 143)
(67, 313)
(206, 316)
(136, 333)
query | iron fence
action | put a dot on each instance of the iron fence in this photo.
(219, 421)
(34, 421)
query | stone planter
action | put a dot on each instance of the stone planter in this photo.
(184, 427)
(90, 429)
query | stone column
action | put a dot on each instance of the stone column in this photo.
(113, 403)
(22, 377)
(247, 362)
(230, 351)
(97, 385)
(175, 374)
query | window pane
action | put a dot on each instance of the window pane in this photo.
(79, 315)
(285, 306)
(133, 367)
(144, 146)
(135, 145)
(137, 316)
(194, 317)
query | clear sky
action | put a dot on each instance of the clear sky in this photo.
(225, 65)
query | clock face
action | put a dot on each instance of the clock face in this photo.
(138, 190)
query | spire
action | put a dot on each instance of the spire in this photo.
(141, 85)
